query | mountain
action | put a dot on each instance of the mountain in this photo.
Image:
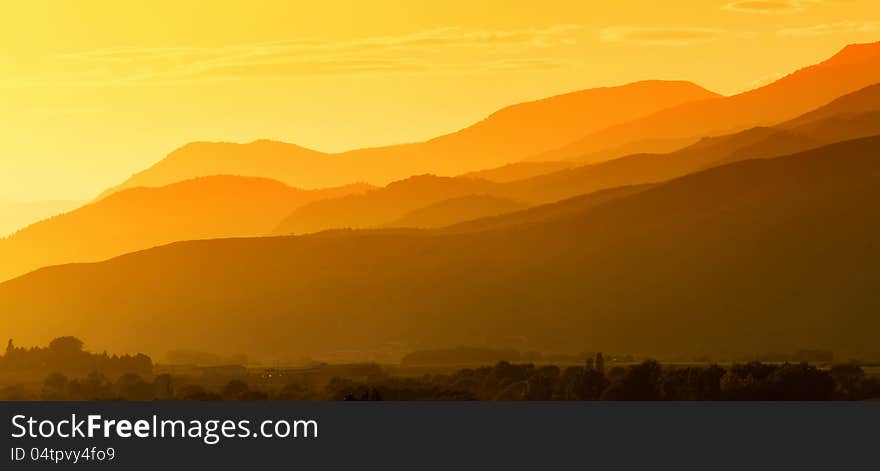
(509, 135)
(379, 207)
(852, 116)
(456, 210)
(756, 256)
(384, 207)
(261, 158)
(788, 139)
(15, 215)
(255, 206)
(139, 218)
(853, 68)
(519, 171)
(861, 101)
(543, 213)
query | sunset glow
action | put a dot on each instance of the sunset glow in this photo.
(95, 91)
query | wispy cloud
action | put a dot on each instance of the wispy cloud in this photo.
(767, 7)
(840, 27)
(434, 50)
(664, 36)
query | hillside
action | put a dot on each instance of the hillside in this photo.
(16, 215)
(456, 210)
(379, 207)
(756, 256)
(506, 136)
(385, 206)
(866, 99)
(519, 171)
(852, 116)
(853, 68)
(139, 218)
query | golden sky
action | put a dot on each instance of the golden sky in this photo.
(93, 91)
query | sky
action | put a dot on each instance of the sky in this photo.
(93, 91)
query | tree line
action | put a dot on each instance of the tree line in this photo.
(130, 378)
(645, 381)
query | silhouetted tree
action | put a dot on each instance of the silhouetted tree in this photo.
(746, 382)
(800, 382)
(132, 387)
(235, 389)
(540, 386)
(640, 383)
(692, 383)
(848, 378)
(163, 385)
(66, 345)
(53, 386)
(294, 392)
(592, 385)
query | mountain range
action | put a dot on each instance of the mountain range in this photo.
(506, 136)
(140, 218)
(227, 206)
(655, 218)
(759, 255)
(853, 68)
(837, 121)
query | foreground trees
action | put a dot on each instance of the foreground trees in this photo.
(64, 371)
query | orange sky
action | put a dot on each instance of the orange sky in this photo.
(93, 91)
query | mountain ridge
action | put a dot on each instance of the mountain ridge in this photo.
(853, 68)
(644, 273)
(507, 135)
(142, 217)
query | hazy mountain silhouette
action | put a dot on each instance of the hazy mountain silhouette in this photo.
(232, 206)
(840, 120)
(506, 136)
(383, 207)
(379, 207)
(15, 215)
(543, 213)
(139, 218)
(520, 171)
(455, 210)
(760, 255)
(853, 68)
(866, 99)
(261, 158)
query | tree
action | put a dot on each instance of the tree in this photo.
(163, 386)
(132, 387)
(640, 383)
(293, 392)
(592, 385)
(600, 363)
(54, 385)
(66, 345)
(848, 377)
(95, 385)
(235, 389)
(539, 387)
(800, 382)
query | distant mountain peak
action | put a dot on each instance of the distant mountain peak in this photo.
(856, 54)
(428, 180)
(696, 92)
(257, 145)
(666, 84)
